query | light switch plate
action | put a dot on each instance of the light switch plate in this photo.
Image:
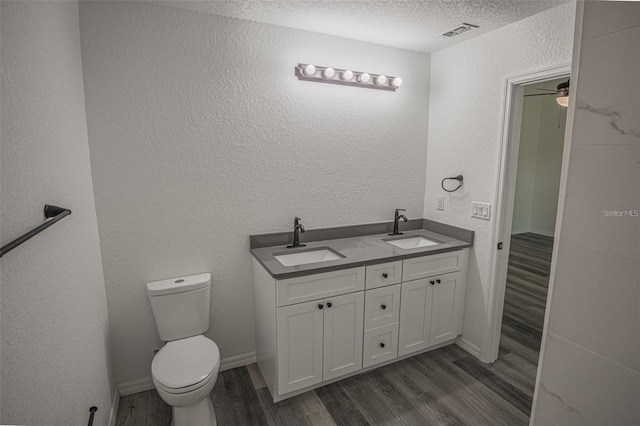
(481, 210)
(440, 202)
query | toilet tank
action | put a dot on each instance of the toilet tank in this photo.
(181, 306)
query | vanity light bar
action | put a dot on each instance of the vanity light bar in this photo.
(330, 75)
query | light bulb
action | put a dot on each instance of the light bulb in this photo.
(380, 80)
(309, 70)
(328, 73)
(563, 101)
(364, 77)
(396, 82)
(347, 75)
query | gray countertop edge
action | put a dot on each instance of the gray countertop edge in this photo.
(358, 251)
(322, 234)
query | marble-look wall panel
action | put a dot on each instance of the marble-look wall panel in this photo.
(579, 387)
(590, 366)
(602, 180)
(608, 92)
(604, 281)
(605, 17)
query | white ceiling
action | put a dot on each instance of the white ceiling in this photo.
(406, 24)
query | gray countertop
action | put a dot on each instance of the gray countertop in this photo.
(358, 251)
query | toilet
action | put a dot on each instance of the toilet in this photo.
(185, 370)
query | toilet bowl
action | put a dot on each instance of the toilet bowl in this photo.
(184, 373)
(185, 370)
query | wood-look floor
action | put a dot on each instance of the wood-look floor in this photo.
(526, 294)
(446, 386)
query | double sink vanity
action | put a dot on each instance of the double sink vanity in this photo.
(334, 306)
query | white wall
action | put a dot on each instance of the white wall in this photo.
(548, 165)
(201, 135)
(590, 367)
(466, 108)
(527, 156)
(539, 161)
(55, 332)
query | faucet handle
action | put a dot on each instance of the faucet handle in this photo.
(296, 220)
(400, 210)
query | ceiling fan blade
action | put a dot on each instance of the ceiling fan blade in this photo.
(547, 90)
(541, 94)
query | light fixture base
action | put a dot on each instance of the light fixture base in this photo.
(338, 77)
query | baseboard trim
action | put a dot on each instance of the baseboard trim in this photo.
(145, 384)
(135, 386)
(472, 348)
(237, 361)
(532, 231)
(115, 402)
(543, 233)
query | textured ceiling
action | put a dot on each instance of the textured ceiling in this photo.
(407, 24)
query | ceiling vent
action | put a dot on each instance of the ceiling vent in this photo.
(462, 28)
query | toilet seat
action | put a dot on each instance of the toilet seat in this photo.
(186, 364)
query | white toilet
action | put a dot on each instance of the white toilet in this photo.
(186, 368)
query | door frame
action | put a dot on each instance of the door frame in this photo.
(501, 230)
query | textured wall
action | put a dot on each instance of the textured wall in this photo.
(539, 161)
(55, 343)
(466, 108)
(201, 135)
(590, 367)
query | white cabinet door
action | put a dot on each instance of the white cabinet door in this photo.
(343, 330)
(445, 309)
(415, 315)
(299, 347)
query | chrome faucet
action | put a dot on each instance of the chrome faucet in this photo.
(396, 221)
(297, 229)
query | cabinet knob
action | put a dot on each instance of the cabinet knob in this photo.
(320, 306)
(438, 281)
(382, 345)
(432, 282)
(329, 304)
(383, 306)
(385, 275)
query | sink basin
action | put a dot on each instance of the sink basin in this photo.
(413, 242)
(303, 257)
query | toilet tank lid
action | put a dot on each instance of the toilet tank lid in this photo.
(178, 285)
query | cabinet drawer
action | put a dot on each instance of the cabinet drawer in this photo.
(380, 344)
(384, 274)
(435, 264)
(319, 286)
(382, 306)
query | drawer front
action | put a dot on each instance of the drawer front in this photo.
(436, 264)
(319, 286)
(380, 344)
(382, 306)
(384, 274)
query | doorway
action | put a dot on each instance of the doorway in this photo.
(532, 148)
(535, 205)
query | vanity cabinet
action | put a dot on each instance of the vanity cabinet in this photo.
(314, 329)
(319, 340)
(431, 311)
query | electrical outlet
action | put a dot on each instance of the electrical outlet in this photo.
(440, 202)
(481, 210)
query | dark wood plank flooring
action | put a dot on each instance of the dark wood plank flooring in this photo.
(526, 294)
(446, 386)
